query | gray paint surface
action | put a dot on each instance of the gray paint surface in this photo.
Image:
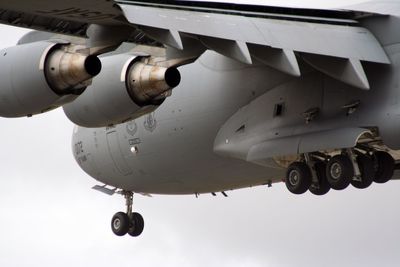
(349, 42)
(359, 226)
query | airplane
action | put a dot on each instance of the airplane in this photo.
(183, 97)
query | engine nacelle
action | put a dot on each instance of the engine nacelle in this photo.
(127, 88)
(40, 76)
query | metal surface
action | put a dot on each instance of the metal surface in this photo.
(220, 129)
(143, 88)
(40, 76)
(146, 82)
(67, 70)
(359, 43)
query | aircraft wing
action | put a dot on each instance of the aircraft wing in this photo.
(383, 7)
(71, 17)
(331, 40)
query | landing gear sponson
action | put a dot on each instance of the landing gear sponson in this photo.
(131, 223)
(319, 173)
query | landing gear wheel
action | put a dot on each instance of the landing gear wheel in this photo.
(298, 178)
(384, 167)
(366, 166)
(323, 186)
(137, 224)
(120, 223)
(339, 172)
(131, 223)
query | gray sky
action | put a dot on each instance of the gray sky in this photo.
(50, 216)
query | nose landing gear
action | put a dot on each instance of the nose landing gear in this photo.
(131, 223)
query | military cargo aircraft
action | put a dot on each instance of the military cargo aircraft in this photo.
(181, 97)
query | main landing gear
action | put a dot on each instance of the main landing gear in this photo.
(131, 223)
(319, 173)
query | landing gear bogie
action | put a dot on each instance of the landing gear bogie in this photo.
(319, 172)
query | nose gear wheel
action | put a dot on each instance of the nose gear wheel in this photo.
(131, 223)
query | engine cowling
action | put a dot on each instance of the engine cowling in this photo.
(40, 76)
(127, 88)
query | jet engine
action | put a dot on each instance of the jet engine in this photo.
(36, 77)
(128, 87)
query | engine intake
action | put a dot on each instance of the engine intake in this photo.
(40, 76)
(127, 88)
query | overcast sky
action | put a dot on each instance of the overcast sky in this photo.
(49, 216)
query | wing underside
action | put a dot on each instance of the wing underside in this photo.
(332, 41)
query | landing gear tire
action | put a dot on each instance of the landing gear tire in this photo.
(323, 186)
(298, 178)
(339, 172)
(384, 167)
(136, 224)
(366, 166)
(120, 223)
(131, 223)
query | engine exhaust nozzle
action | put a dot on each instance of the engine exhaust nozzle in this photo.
(65, 70)
(146, 82)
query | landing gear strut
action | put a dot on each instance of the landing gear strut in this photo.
(131, 223)
(321, 186)
(367, 172)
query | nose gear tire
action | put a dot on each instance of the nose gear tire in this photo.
(120, 223)
(136, 224)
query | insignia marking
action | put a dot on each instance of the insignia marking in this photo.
(131, 128)
(150, 122)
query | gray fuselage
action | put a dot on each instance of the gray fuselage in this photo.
(171, 151)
